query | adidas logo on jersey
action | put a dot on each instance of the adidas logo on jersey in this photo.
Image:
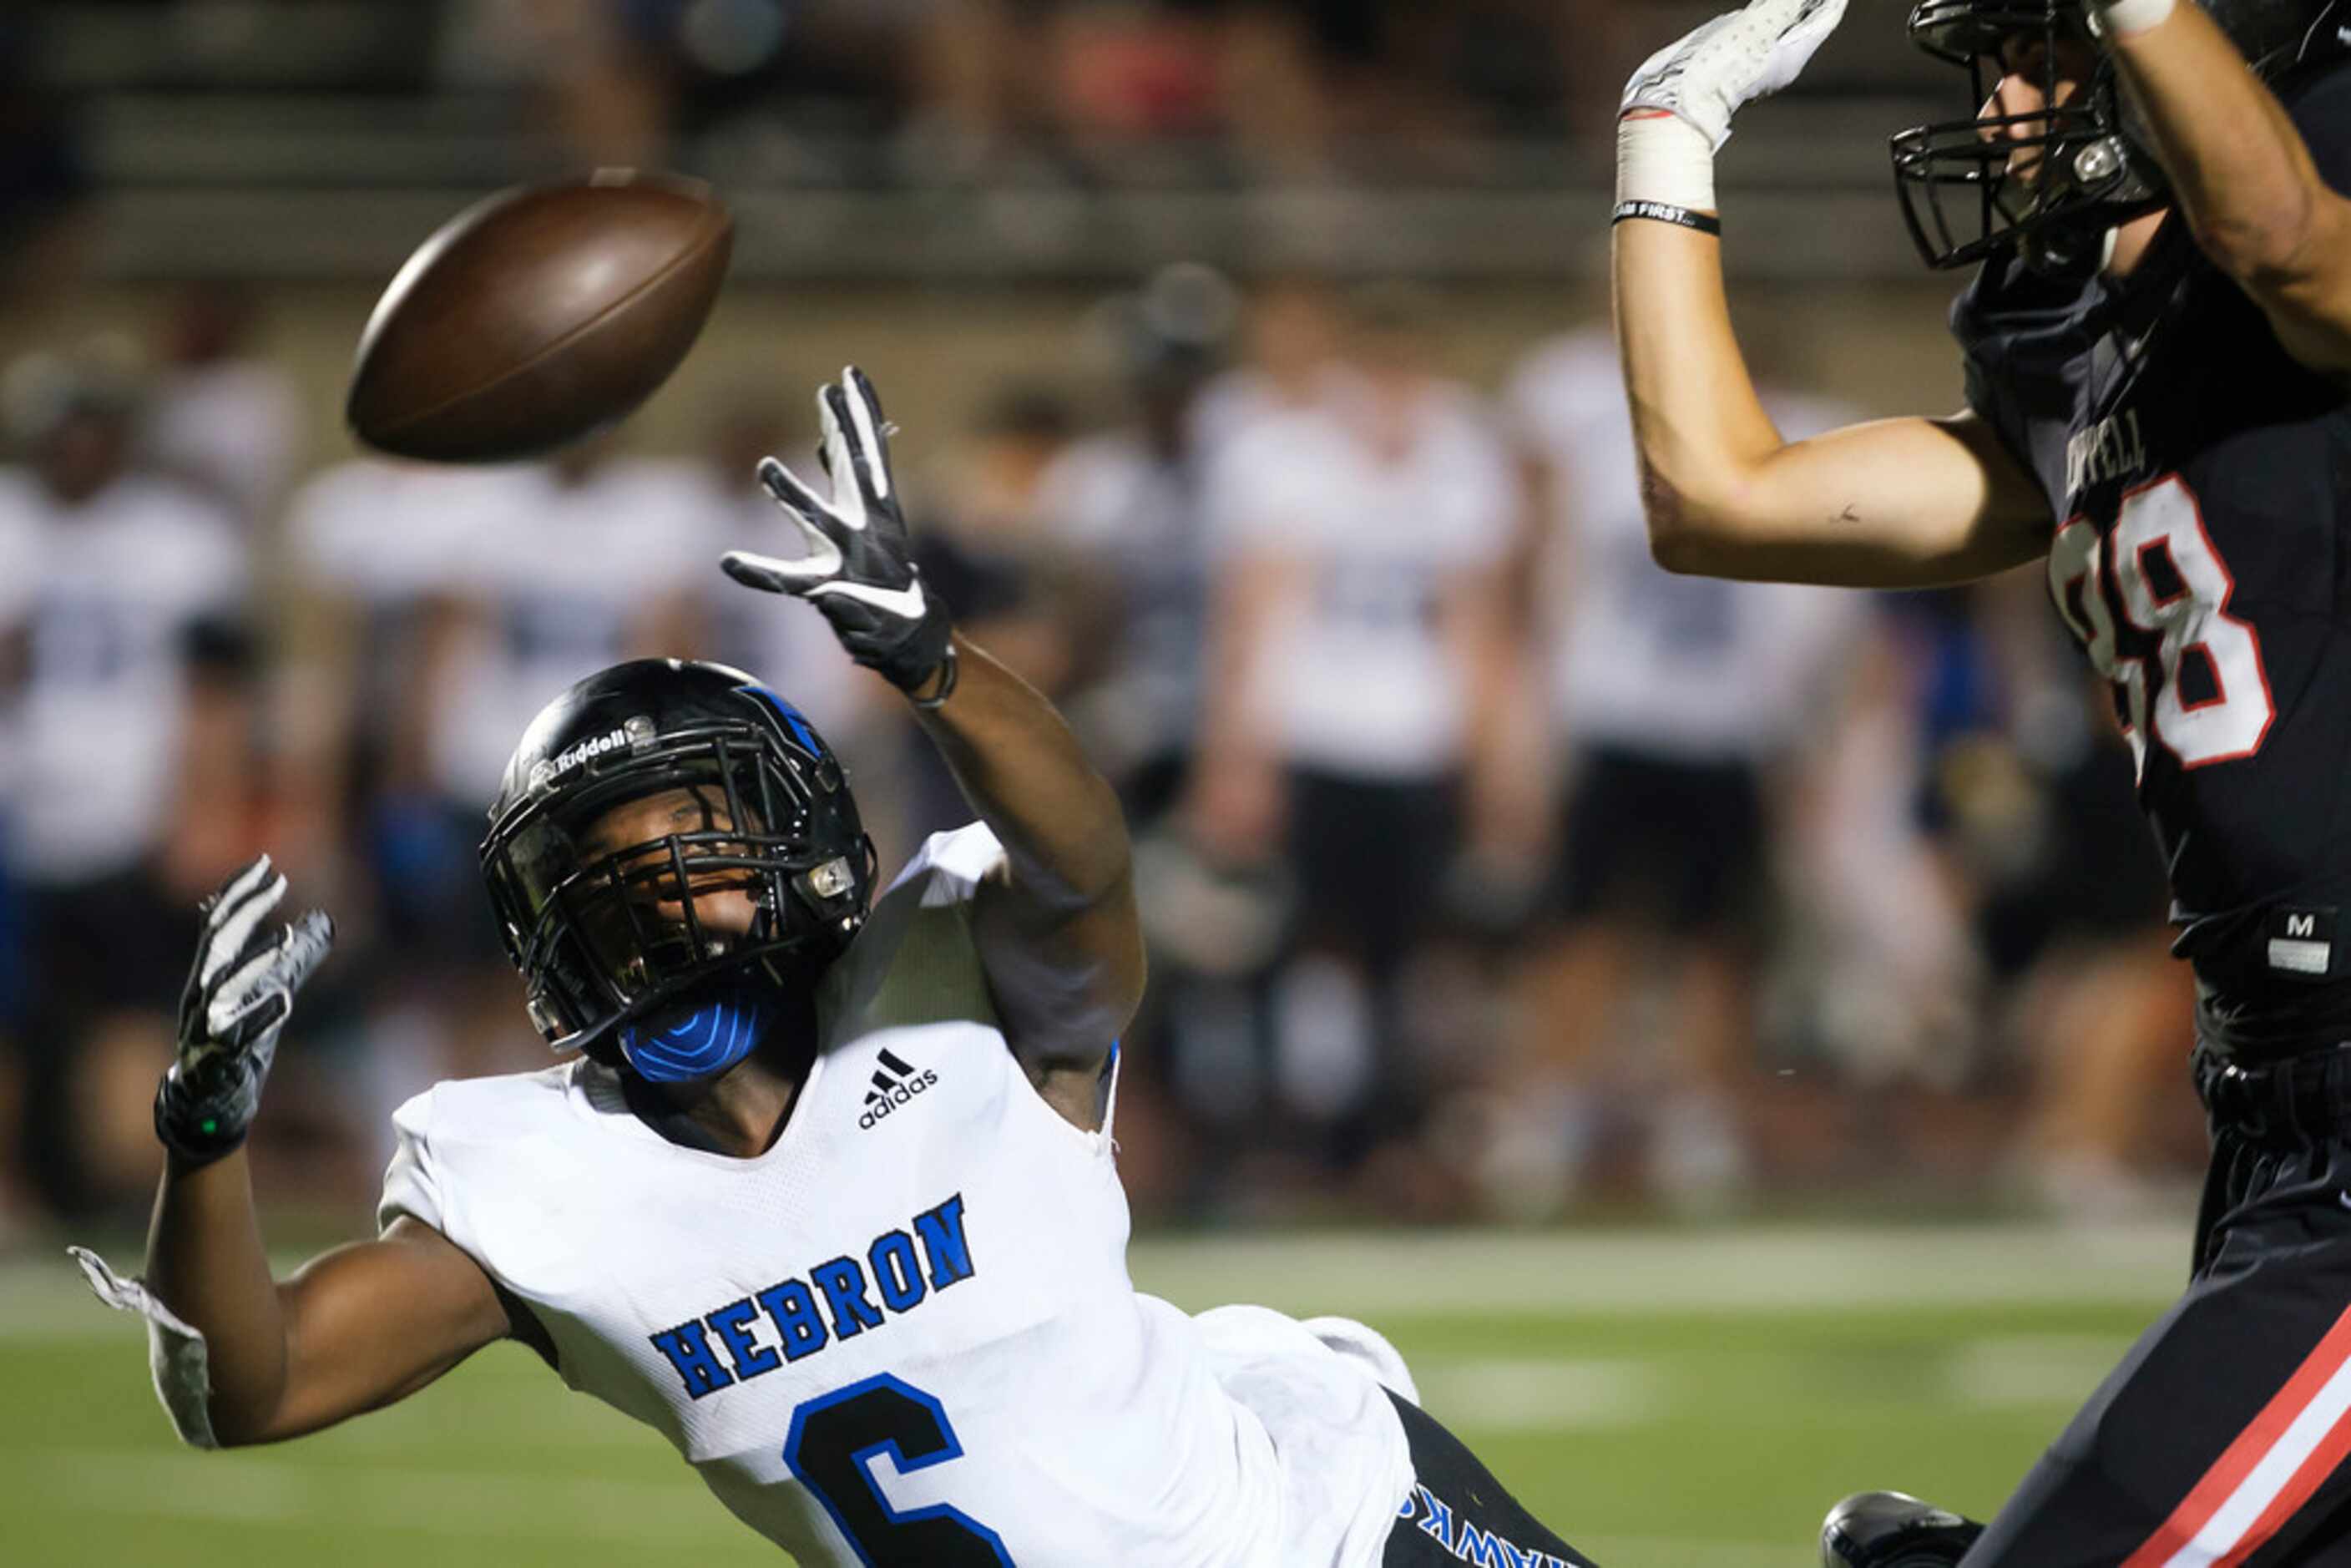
(895, 1082)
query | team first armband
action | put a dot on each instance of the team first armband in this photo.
(1666, 213)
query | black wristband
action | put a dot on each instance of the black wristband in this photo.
(1686, 217)
(947, 669)
(198, 1133)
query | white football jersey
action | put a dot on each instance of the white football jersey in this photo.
(1701, 669)
(905, 1334)
(121, 581)
(563, 570)
(1356, 676)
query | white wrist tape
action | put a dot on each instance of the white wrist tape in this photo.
(1664, 158)
(2122, 17)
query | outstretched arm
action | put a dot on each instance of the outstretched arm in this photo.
(350, 1332)
(244, 1358)
(1058, 929)
(1894, 503)
(2242, 173)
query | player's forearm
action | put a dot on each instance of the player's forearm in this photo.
(1698, 429)
(2238, 167)
(1025, 774)
(205, 1261)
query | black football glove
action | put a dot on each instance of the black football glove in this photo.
(238, 994)
(859, 569)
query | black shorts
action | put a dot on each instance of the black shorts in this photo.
(1370, 858)
(2226, 1424)
(117, 943)
(1678, 842)
(1459, 1512)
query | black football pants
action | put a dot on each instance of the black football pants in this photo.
(2221, 1438)
(1459, 1512)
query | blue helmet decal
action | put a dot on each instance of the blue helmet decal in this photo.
(794, 720)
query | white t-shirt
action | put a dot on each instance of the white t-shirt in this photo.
(786, 641)
(564, 571)
(121, 581)
(914, 1307)
(389, 537)
(20, 545)
(1357, 678)
(235, 425)
(387, 533)
(1699, 669)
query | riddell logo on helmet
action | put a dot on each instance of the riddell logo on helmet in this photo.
(895, 1082)
(636, 732)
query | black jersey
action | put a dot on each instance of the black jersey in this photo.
(2201, 483)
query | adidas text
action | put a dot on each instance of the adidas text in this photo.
(895, 1082)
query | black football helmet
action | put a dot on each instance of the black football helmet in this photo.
(778, 824)
(2091, 164)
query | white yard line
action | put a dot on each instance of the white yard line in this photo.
(1729, 1271)
(2022, 1371)
(1534, 1396)
(1475, 1272)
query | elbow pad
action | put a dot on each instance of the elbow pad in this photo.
(176, 1353)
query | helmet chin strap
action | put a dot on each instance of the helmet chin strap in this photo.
(702, 1033)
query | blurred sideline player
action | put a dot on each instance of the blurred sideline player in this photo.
(2156, 347)
(1356, 665)
(1676, 696)
(1127, 506)
(127, 764)
(829, 1197)
(583, 560)
(385, 551)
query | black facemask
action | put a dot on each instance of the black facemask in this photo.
(1971, 188)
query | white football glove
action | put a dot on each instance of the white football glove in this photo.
(1736, 58)
(1698, 84)
(239, 992)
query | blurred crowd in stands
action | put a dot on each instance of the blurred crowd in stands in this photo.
(983, 88)
(1489, 869)
(954, 89)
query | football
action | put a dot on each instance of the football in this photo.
(537, 315)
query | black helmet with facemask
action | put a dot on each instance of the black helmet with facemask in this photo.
(612, 936)
(2052, 182)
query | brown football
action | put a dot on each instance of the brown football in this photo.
(537, 315)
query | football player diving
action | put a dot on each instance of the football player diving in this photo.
(825, 1192)
(2155, 342)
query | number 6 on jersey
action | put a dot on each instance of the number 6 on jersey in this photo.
(834, 1440)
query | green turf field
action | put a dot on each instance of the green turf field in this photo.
(1665, 1400)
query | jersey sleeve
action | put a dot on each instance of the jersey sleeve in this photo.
(413, 1185)
(1974, 326)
